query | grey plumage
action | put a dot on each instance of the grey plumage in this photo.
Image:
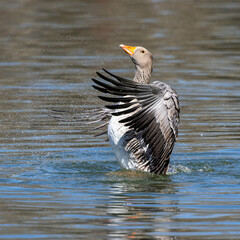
(152, 116)
(142, 118)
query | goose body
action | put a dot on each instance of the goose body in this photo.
(117, 135)
(144, 117)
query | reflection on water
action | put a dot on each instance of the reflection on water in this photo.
(59, 182)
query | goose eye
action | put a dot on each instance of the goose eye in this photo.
(142, 51)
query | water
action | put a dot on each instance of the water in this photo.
(59, 182)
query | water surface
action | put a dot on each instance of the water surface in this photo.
(58, 181)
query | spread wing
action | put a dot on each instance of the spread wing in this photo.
(151, 110)
(99, 117)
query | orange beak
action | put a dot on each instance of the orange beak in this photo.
(128, 49)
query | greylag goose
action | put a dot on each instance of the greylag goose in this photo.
(143, 121)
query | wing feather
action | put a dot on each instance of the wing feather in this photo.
(151, 111)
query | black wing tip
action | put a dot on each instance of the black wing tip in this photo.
(105, 70)
(100, 74)
(111, 74)
(95, 81)
(118, 78)
(100, 89)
